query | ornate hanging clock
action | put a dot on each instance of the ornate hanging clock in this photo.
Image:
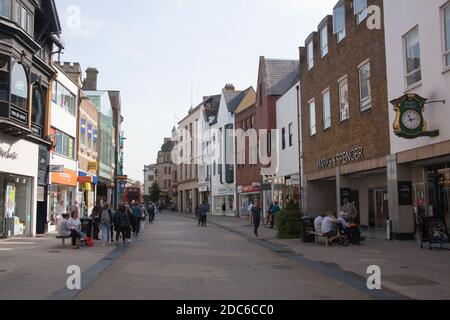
(409, 121)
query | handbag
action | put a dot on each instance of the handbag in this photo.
(89, 242)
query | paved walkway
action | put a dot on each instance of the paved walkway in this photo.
(406, 268)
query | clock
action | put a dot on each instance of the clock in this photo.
(411, 119)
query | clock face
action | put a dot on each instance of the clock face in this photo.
(411, 120)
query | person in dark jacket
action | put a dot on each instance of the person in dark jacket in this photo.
(256, 215)
(203, 214)
(95, 216)
(132, 221)
(136, 209)
(122, 224)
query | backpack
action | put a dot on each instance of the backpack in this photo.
(105, 218)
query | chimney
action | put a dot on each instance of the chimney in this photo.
(90, 83)
(72, 71)
(229, 87)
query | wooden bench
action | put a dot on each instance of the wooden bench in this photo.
(319, 237)
(63, 239)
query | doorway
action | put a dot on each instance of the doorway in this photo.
(439, 192)
(378, 209)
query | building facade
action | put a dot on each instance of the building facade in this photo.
(166, 173)
(29, 34)
(345, 115)
(288, 173)
(418, 63)
(149, 178)
(275, 78)
(63, 191)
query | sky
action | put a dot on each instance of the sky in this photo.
(165, 55)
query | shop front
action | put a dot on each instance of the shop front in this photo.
(204, 195)
(87, 185)
(224, 202)
(247, 195)
(62, 195)
(18, 178)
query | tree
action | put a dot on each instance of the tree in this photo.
(155, 192)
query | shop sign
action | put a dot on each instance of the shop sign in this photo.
(56, 168)
(405, 193)
(250, 189)
(203, 189)
(18, 115)
(226, 191)
(8, 154)
(266, 187)
(341, 158)
(121, 178)
(67, 178)
(92, 166)
(295, 179)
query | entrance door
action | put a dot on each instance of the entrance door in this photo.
(378, 209)
(439, 192)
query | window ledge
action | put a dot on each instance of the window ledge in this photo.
(367, 109)
(446, 69)
(413, 86)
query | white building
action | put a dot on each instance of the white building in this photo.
(223, 178)
(287, 175)
(63, 191)
(418, 62)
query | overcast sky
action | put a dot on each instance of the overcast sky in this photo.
(154, 51)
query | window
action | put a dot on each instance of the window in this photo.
(312, 117)
(291, 135)
(90, 136)
(326, 109)
(64, 98)
(339, 22)
(65, 145)
(4, 78)
(360, 10)
(412, 52)
(324, 41)
(5, 8)
(23, 18)
(343, 100)
(365, 91)
(310, 54)
(19, 87)
(269, 143)
(170, 170)
(38, 111)
(165, 184)
(283, 138)
(447, 34)
(83, 131)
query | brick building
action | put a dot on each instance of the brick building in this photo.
(166, 173)
(275, 78)
(345, 122)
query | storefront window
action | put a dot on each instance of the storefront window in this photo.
(19, 86)
(224, 205)
(15, 205)
(61, 199)
(246, 199)
(439, 192)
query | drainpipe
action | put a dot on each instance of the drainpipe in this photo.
(300, 150)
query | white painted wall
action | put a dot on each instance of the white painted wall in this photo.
(288, 163)
(60, 118)
(435, 81)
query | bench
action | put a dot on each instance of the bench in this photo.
(63, 239)
(319, 236)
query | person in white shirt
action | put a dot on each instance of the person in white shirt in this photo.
(318, 223)
(328, 227)
(75, 227)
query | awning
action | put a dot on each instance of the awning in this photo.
(84, 177)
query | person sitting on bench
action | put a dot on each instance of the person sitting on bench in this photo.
(329, 227)
(318, 223)
(64, 227)
(75, 228)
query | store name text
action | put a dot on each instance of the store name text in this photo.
(345, 157)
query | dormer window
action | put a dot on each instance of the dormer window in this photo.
(360, 10)
(310, 54)
(339, 22)
(23, 18)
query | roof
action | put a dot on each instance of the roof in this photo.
(234, 103)
(230, 95)
(280, 75)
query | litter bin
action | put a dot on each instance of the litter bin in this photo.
(86, 226)
(307, 225)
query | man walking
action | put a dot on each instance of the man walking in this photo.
(203, 214)
(95, 215)
(256, 216)
(136, 209)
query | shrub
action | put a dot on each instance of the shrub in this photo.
(288, 222)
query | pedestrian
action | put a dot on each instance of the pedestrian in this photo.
(122, 223)
(95, 216)
(203, 215)
(256, 216)
(75, 228)
(136, 209)
(132, 222)
(151, 211)
(105, 222)
(155, 211)
(224, 207)
(275, 210)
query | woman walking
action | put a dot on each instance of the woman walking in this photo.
(122, 223)
(256, 216)
(105, 221)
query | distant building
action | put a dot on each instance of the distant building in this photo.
(149, 178)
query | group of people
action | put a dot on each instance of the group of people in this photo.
(127, 220)
(345, 225)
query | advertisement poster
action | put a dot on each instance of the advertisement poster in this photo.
(10, 200)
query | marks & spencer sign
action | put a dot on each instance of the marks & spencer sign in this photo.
(341, 158)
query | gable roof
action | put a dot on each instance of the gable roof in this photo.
(280, 75)
(234, 104)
